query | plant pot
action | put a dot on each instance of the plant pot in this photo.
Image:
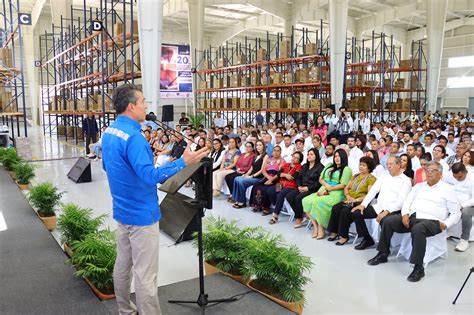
(23, 186)
(68, 250)
(295, 307)
(211, 269)
(49, 222)
(98, 293)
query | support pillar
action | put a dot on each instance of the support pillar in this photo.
(196, 35)
(290, 21)
(338, 10)
(150, 29)
(436, 20)
(60, 8)
(33, 100)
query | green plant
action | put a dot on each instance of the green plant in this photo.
(24, 172)
(196, 120)
(94, 257)
(278, 269)
(76, 222)
(225, 244)
(44, 197)
(2, 152)
(10, 158)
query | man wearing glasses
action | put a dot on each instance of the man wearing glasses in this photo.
(428, 210)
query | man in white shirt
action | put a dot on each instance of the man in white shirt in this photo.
(392, 188)
(299, 146)
(461, 148)
(330, 119)
(452, 141)
(355, 152)
(345, 125)
(442, 140)
(362, 123)
(415, 161)
(219, 122)
(287, 149)
(406, 140)
(428, 210)
(328, 155)
(429, 143)
(464, 188)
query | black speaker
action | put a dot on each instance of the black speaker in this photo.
(178, 219)
(81, 171)
(167, 113)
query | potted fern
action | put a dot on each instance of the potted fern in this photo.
(75, 223)
(24, 173)
(9, 159)
(277, 271)
(225, 247)
(196, 120)
(44, 197)
(94, 258)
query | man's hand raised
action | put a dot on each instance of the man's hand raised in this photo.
(190, 157)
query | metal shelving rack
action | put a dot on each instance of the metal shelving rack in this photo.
(278, 75)
(81, 67)
(12, 84)
(376, 77)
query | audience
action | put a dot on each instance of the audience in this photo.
(228, 164)
(464, 188)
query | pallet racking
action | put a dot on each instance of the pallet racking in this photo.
(81, 66)
(12, 84)
(278, 75)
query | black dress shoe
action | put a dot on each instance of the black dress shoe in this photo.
(365, 243)
(332, 239)
(380, 258)
(417, 273)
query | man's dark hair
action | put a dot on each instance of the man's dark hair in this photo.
(330, 145)
(287, 136)
(225, 138)
(458, 167)
(299, 140)
(411, 145)
(389, 137)
(124, 95)
(429, 135)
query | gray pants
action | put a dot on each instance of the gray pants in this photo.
(137, 246)
(466, 218)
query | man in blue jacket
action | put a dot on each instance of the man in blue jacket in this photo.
(128, 161)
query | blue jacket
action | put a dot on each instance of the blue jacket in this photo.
(128, 161)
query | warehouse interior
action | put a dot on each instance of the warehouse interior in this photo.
(61, 60)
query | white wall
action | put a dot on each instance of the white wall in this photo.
(457, 43)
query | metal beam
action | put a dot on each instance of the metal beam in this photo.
(36, 12)
(217, 7)
(451, 25)
(386, 16)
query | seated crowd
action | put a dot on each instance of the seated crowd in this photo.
(415, 176)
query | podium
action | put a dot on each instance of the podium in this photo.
(201, 174)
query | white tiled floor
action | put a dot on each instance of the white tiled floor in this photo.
(342, 282)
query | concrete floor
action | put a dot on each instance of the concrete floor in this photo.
(342, 282)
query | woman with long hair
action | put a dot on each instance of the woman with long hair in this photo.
(321, 129)
(406, 166)
(468, 161)
(164, 153)
(251, 177)
(242, 167)
(354, 192)
(383, 148)
(308, 183)
(378, 171)
(334, 179)
(228, 164)
(270, 168)
(217, 153)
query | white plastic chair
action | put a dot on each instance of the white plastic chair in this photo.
(436, 246)
(372, 226)
(287, 210)
(456, 230)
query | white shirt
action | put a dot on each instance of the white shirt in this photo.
(330, 119)
(392, 192)
(415, 163)
(356, 154)
(219, 122)
(379, 171)
(364, 125)
(325, 160)
(433, 203)
(449, 152)
(353, 165)
(465, 191)
(286, 152)
(308, 143)
(430, 148)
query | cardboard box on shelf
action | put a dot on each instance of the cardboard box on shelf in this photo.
(275, 103)
(304, 100)
(315, 103)
(235, 102)
(303, 75)
(236, 80)
(221, 63)
(243, 104)
(203, 85)
(311, 49)
(371, 83)
(79, 133)
(256, 103)
(407, 63)
(119, 28)
(285, 50)
(239, 59)
(348, 83)
(399, 83)
(226, 81)
(288, 103)
(6, 57)
(414, 82)
(81, 104)
(205, 65)
(255, 79)
(217, 83)
(261, 54)
(314, 74)
(360, 79)
(277, 78)
(129, 64)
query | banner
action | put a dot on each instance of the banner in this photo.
(175, 74)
